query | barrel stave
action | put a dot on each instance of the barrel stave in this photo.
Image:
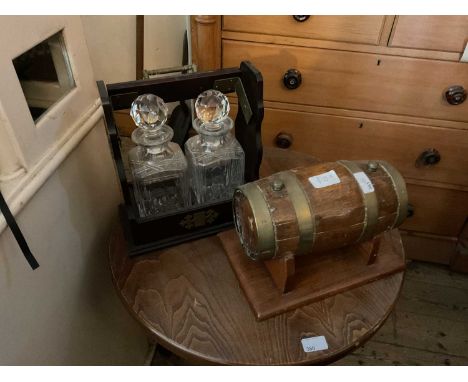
(302, 216)
(282, 215)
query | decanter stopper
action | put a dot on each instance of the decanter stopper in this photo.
(149, 112)
(212, 107)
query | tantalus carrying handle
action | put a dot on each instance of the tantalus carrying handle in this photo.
(17, 233)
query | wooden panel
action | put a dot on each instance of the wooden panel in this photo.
(361, 29)
(332, 138)
(339, 45)
(436, 210)
(364, 114)
(206, 42)
(359, 81)
(435, 249)
(446, 33)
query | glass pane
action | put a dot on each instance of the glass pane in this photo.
(45, 74)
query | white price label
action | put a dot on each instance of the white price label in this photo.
(312, 344)
(324, 180)
(364, 182)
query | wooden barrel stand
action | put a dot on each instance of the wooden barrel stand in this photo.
(283, 270)
(275, 286)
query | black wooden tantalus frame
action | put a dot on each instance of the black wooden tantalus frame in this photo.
(145, 235)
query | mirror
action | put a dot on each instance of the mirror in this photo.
(45, 74)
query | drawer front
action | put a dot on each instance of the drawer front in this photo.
(445, 33)
(359, 29)
(357, 81)
(332, 138)
(436, 249)
(438, 211)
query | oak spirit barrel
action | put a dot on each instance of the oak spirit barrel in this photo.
(318, 208)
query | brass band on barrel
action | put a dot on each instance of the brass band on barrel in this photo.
(371, 206)
(302, 209)
(263, 222)
(400, 189)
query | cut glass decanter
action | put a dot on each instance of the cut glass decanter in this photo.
(215, 158)
(158, 166)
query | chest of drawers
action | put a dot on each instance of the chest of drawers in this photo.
(383, 87)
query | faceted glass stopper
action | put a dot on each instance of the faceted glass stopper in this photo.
(149, 111)
(212, 106)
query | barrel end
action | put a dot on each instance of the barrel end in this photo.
(245, 211)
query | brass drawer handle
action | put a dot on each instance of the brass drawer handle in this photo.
(284, 140)
(455, 95)
(428, 157)
(301, 19)
(292, 79)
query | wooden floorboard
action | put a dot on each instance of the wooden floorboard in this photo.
(436, 275)
(376, 353)
(428, 327)
(423, 298)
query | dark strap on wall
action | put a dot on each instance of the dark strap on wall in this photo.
(17, 233)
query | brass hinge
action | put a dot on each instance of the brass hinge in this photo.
(234, 84)
(175, 69)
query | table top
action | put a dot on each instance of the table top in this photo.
(188, 298)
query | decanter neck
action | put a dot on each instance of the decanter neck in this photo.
(212, 142)
(213, 135)
(159, 149)
(154, 140)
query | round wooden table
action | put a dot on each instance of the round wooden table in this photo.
(189, 300)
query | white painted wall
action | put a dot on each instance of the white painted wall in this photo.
(112, 44)
(66, 312)
(164, 36)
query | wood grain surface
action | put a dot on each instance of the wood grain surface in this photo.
(206, 41)
(356, 81)
(428, 326)
(359, 29)
(400, 144)
(444, 33)
(315, 276)
(189, 300)
(339, 214)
